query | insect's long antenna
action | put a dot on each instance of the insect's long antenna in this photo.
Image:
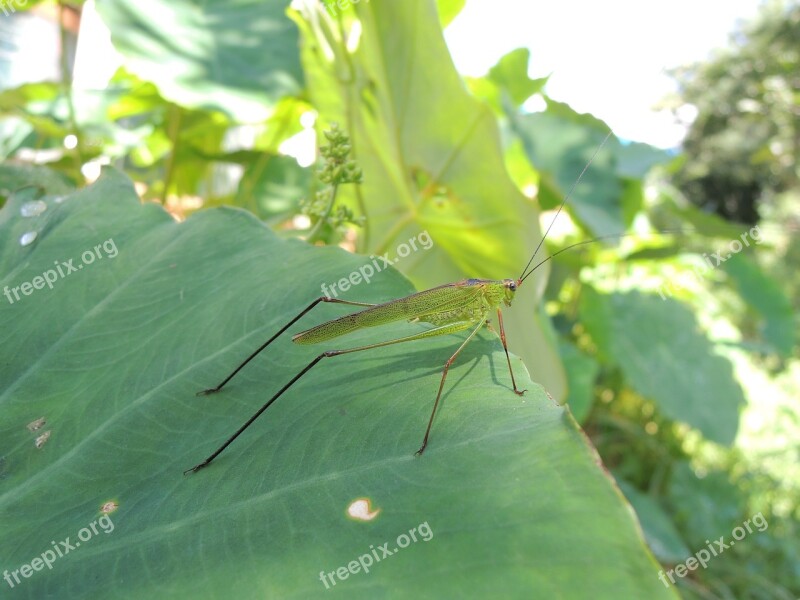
(593, 240)
(618, 235)
(558, 212)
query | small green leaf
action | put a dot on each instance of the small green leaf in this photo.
(765, 295)
(510, 74)
(692, 384)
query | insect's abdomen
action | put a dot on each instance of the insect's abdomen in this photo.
(341, 326)
(472, 313)
(381, 314)
(438, 300)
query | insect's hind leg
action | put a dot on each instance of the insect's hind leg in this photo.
(442, 330)
(274, 337)
(441, 383)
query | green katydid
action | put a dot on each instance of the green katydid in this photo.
(450, 308)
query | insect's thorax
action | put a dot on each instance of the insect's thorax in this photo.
(490, 295)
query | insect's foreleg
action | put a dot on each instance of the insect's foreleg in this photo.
(442, 330)
(444, 376)
(505, 347)
(274, 337)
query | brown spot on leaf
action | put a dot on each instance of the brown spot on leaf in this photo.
(36, 425)
(42, 439)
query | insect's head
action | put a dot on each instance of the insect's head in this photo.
(510, 286)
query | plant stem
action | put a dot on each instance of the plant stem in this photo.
(350, 93)
(324, 218)
(175, 117)
(66, 85)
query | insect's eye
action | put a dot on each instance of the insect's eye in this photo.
(512, 286)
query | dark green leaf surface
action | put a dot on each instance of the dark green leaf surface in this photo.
(635, 159)
(112, 356)
(272, 186)
(236, 57)
(563, 146)
(705, 507)
(691, 384)
(659, 531)
(582, 370)
(764, 294)
(14, 177)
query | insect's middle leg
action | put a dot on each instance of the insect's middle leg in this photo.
(444, 376)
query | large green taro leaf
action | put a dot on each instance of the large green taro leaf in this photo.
(235, 56)
(515, 502)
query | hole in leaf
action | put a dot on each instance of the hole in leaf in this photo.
(361, 510)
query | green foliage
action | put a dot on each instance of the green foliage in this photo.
(234, 57)
(582, 371)
(765, 296)
(662, 536)
(15, 177)
(684, 377)
(431, 159)
(448, 10)
(508, 486)
(633, 332)
(507, 82)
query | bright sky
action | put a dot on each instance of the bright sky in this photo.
(608, 58)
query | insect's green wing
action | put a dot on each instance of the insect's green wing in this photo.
(450, 297)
